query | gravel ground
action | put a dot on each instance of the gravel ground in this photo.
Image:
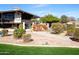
(42, 38)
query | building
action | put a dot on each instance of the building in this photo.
(12, 18)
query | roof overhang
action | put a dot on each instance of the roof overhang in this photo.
(35, 16)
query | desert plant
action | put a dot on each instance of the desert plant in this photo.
(19, 32)
(70, 29)
(57, 28)
(65, 27)
(76, 33)
(5, 32)
(26, 37)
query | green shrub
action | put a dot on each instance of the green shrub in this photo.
(5, 32)
(64, 27)
(19, 32)
(76, 33)
(57, 28)
(26, 37)
(70, 29)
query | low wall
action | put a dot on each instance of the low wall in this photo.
(9, 29)
(39, 27)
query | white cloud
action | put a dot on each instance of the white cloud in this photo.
(40, 5)
(43, 13)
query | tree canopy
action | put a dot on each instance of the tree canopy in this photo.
(64, 19)
(34, 20)
(49, 18)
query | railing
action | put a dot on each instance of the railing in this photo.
(6, 21)
(9, 21)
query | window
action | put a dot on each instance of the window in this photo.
(8, 16)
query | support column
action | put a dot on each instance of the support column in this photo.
(47, 25)
(23, 25)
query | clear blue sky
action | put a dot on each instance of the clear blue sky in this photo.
(44, 9)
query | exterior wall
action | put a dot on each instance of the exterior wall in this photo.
(27, 23)
(17, 18)
(12, 22)
(6, 17)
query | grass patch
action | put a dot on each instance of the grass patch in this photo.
(22, 50)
